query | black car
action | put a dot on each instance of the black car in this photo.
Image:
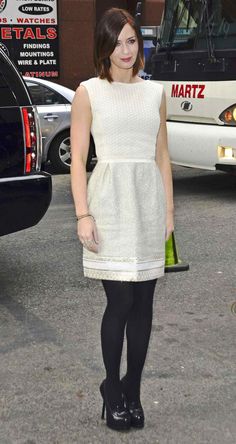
(25, 192)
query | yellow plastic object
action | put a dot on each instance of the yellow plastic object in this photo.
(172, 260)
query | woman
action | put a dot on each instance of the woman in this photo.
(126, 211)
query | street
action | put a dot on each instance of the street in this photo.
(50, 356)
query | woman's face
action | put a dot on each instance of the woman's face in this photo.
(125, 53)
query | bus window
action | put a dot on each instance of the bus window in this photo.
(190, 24)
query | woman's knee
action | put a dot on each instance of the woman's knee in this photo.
(144, 293)
(120, 296)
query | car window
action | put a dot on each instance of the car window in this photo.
(42, 95)
(7, 96)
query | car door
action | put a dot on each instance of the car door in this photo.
(52, 109)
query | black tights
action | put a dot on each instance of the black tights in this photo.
(128, 304)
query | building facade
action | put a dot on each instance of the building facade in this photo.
(77, 20)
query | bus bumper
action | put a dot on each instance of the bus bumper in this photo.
(203, 146)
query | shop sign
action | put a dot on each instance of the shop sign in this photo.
(29, 35)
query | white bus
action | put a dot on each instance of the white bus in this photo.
(196, 61)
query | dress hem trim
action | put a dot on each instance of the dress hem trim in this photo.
(144, 275)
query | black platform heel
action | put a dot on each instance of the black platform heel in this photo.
(134, 407)
(117, 418)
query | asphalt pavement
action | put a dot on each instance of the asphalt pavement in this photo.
(50, 356)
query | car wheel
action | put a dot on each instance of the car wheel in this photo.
(60, 153)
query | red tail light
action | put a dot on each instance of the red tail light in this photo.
(30, 139)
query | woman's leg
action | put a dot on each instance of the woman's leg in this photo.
(120, 299)
(138, 332)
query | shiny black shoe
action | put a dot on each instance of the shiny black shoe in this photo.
(117, 418)
(134, 407)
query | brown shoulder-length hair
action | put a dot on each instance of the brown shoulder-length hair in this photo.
(106, 36)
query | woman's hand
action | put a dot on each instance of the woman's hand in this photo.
(169, 223)
(87, 233)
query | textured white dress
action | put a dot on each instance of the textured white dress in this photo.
(125, 190)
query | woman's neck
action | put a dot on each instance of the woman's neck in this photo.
(123, 75)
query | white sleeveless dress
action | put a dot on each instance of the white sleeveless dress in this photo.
(125, 190)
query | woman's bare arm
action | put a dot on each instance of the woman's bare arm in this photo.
(81, 119)
(163, 162)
